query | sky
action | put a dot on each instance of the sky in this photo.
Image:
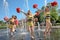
(10, 9)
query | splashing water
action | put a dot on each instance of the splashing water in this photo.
(5, 5)
(27, 5)
(45, 3)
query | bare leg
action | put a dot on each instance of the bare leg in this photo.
(14, 27)
(48, 28)
(32, 32)
(12, 30)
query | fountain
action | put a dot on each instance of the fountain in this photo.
(23, 30)
(5, 5)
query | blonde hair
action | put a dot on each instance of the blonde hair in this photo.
(29, 12)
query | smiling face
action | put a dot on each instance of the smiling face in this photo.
(15, 17)
(47, 9)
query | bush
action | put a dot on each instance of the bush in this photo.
(3, 27)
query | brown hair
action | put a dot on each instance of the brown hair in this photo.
(15, 17)
(47, 8)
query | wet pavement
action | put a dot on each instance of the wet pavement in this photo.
(20, 35)
(23, 34)
(4, 35)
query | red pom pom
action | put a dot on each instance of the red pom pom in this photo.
(6, 18)
(16, 22)
(18, 10)
(54, 3)
(35, 6)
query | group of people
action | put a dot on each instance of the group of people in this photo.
(13, 22)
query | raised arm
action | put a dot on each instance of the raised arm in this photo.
(24, 13)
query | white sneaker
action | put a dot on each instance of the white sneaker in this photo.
(32, 37)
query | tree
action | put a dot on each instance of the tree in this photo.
(54, 15)
(58, 21)
(40, 16)
(2, 23)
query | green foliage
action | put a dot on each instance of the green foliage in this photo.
(58, 21)
(2, 24)
(41, 17)
(42, 8)
(3, 27)
(59, 18)
(54, 14)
